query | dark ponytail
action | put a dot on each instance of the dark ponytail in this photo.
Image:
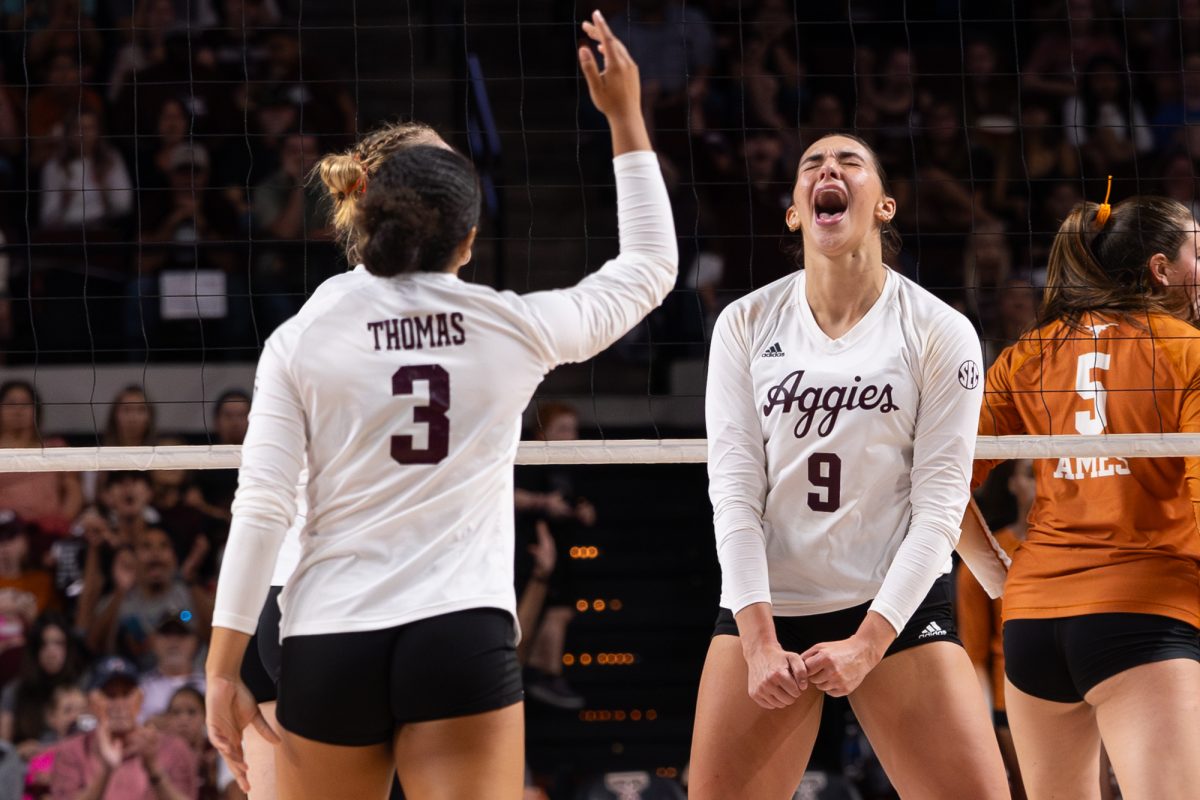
(418, 209)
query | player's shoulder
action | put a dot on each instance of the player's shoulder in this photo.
(923, 306)
(762, 303)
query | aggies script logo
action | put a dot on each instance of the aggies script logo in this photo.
(824, 404)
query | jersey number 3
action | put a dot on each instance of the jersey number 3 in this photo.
(432, 414)
(1090, 388)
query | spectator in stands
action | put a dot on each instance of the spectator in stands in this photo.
(948, 152)
(990, 91)
(771, 72)
(979, 622)
(179, 504)
(175, 646)
(826, 113)
(146, 590)
(296, 95)
(150, 25)
(891, 96)
(1178, 114)
(67, 704)
(1179, 181)
(12, 134)
(987, 263)
(130, 419)
(1104, 120)
(190, 233)
(52, 661)
(97, 764)
(1030, 167)
(185, 719)
(17, 574)
(288, 211)
(231, 415)
(1050, 74)
(55, 26)
(552, 502)
(85, 183)
(62, 96)
(156, 160)
(672, 44)
(49, 500)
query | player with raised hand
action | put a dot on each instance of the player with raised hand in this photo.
(344, 176)
(1101, 607)
(841, 410)
(406, 393)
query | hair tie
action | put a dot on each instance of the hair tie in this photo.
(1105, 210)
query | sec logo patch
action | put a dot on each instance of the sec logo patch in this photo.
(968, 374)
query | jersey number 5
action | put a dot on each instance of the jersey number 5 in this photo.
(1091, 389)
(825, 472)
(433, 414)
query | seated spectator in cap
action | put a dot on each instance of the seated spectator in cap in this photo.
(49, 500)
(120, 759)
(51, 661)
(152, 588)
(175, 645)
(85, 183)
(67, 705)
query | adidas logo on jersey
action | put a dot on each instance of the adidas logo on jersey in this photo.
(774, 351)
(932, 629)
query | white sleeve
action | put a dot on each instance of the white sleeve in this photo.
(943, 453)
(579, 322)
(265, 504)
(737, 467)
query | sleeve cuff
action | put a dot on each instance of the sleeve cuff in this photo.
(635, 158)
(235, 622)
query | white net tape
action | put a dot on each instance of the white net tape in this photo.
(613, 451)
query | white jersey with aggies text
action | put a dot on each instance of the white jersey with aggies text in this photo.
(839, 469)
(406, 396)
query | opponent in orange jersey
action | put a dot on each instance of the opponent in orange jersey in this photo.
(1102, 603)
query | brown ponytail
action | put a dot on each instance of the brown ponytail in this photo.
(346, 175)
(1105, 268)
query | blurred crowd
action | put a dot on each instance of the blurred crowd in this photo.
(989, 129)
(167, 146)
(106, 592)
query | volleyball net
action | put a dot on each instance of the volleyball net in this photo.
(155, 225)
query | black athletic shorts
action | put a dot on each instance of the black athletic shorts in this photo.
(1061, 659)
(260, 664)
(355, 689)
(933, 621)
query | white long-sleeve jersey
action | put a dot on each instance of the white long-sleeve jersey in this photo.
(406, 395)
(839, 469)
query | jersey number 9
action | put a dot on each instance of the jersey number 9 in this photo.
(825, 472)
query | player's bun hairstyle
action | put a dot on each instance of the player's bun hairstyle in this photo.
(345, 175)
(1105, 268)
(418, 209)
(889, 237)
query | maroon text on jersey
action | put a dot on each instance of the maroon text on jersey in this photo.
(811, 401)
(418, 333)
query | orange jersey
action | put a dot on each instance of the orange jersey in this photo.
(979, 624)
(1105, 534)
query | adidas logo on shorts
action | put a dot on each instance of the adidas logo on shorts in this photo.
(932, 629)
(774, 351)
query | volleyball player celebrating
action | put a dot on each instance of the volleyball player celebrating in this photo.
(406, 393)
(344, 176)
(1101, 606)
(841, 410)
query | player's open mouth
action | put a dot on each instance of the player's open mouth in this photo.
(829, 205)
